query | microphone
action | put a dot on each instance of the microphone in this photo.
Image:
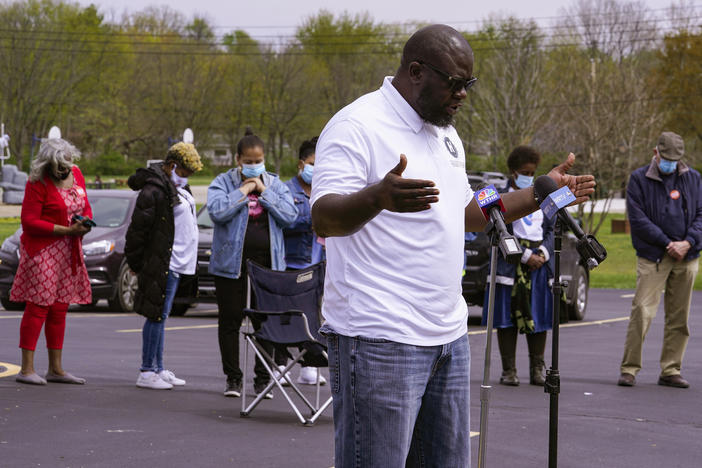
(553, 201)
(491, 205)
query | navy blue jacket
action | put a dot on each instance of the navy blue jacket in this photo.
(507, 272)
(650, 202)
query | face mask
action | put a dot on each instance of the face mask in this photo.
(523, 181)
(177, 180)
(667, 167)
(307, 172)
(253, 170)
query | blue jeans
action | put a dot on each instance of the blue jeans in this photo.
(152, 334)
(399, 405)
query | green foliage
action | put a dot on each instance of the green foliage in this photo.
(8, 226)
(109, 164)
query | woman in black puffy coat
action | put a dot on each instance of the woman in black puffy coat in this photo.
(161, 245)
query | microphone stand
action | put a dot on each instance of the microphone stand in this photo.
(553, 378)
(486, 387)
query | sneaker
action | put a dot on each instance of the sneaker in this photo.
(308, 376)
(258, 388)
(233, 388)
(279, 376)
(168, 376)
(152, 380)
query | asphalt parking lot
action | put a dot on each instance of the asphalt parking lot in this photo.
(111, 423)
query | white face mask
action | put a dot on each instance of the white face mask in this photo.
(177, 180)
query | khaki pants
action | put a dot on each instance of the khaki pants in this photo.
(677, 278)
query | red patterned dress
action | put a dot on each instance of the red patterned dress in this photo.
(48, 277)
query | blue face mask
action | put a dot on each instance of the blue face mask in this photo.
(523, 181)
(253, 170)
(306, 173)
(667, 167)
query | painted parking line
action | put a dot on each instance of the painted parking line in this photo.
(627, 296)
(7, 369)
(191, 327)
(568, 325)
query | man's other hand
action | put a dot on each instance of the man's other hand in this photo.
(582, 186)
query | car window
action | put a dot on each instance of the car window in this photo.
(109, 211)
(203, 219)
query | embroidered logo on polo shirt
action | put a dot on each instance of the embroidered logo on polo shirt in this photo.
(450, 147)
(674, 194)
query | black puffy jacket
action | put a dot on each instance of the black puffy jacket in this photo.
(149, 239)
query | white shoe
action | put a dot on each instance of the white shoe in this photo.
(278, 375)
(308, 376)
(152, 380)
(168, 376)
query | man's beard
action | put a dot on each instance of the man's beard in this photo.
(430, 111)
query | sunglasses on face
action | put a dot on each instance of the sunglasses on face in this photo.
(456, 82)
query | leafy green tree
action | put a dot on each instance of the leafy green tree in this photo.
(52, 58)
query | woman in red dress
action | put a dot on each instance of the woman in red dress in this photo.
(51, 272)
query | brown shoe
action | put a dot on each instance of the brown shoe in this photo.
(627, 380)
(675, 380)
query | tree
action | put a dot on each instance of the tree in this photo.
(508, 106)
(50, 57)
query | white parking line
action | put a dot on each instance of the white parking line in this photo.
(627, 296)
(568, 325)
(192, 327)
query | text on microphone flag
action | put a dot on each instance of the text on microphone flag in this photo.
(557, 200)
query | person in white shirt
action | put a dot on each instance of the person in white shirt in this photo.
(523, 299)
(161, 245)
(390, 193)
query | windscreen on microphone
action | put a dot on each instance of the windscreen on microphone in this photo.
(543, 187)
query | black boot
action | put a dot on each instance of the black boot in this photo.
(537, 345)
(536, 370)
(507, 341)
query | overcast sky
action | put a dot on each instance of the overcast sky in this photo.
(260, 17)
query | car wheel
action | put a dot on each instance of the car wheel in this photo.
(178, 310)
(11, 305)
(126, 290)
(578, 303)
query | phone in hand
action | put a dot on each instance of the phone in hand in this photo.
(84, 220)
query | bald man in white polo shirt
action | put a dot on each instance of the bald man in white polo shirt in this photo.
(390, 193)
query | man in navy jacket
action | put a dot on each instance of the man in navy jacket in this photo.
(664, 204)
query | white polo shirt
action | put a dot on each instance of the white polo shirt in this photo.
(398, 277)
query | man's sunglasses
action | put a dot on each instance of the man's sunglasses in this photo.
(455, 82)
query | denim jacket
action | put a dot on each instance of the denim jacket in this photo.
(229, 209)
(298, 235)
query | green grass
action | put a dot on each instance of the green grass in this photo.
(618, 271)
(8, 226)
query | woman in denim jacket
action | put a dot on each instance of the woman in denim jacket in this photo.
(249, 207)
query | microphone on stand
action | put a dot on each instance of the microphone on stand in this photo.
(491, 205)
(553, 201)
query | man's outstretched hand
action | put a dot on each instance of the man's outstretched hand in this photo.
(582, 186)
(395, 193)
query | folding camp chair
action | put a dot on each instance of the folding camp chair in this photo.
(287, 309)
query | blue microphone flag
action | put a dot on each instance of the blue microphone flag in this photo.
(557, 200)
